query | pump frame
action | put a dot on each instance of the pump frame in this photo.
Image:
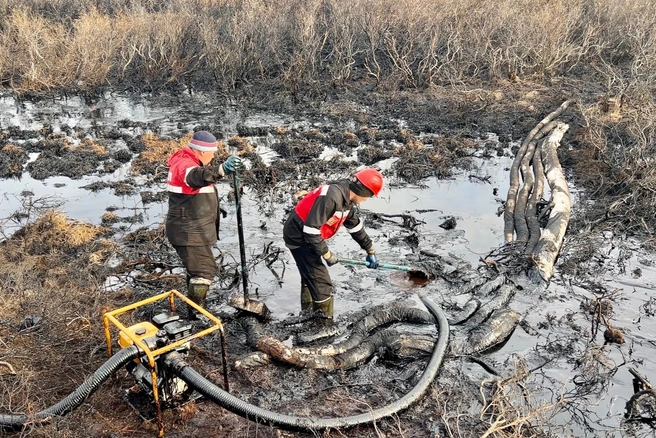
(111, 317)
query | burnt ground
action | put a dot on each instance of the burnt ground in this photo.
(53, 267)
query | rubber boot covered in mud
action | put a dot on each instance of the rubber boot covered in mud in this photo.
(322, 326)
(326, 308)
(197, 292)
(306, 299)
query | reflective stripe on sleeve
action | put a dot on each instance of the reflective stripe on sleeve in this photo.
(356, 228)
(187, 170)
(174, 189)
(311, 230)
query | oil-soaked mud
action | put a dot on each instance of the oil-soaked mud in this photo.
(445, 173)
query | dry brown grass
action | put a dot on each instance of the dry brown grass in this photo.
(52, 234)
(87, 146)
(12, 158)
(50, 273)
(152, 160)
(311, 45)
(239, 143)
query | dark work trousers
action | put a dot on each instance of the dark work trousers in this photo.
(198, 261)
(313, 273)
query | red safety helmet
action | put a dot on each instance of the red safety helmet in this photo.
(371, 179)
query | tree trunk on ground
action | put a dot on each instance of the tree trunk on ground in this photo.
(511, 199)
(521, 225)
(532, 205)
(547, 249)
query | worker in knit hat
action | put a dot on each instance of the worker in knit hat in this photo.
(193, 214)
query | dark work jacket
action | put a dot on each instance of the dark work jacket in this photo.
(193, 216)
(320, 214)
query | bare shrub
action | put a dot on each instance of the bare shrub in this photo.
(34, 49)
(243, 42)
(409, 41)
(157, 48)
(342, 22)
(300, 66)
(613, 161)
(92, 49)
(306, 46)
(513, 408)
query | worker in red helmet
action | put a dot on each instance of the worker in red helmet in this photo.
(193, 215)
(316, 218)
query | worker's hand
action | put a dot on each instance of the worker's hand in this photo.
(371, 261)
(330, 258)
(232, 164)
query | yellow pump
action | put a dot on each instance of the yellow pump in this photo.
(166, 333)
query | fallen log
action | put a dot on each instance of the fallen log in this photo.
(479, 339)
(490, 333)
(546, 250)
(343, 355)
(521, 225)
(532, 205)
(511, 198)
(347, 360)
(529, 174)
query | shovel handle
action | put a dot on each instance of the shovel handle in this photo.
(240, 232)
(380, 265)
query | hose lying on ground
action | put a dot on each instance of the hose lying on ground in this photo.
(77, 397)
(255, 413)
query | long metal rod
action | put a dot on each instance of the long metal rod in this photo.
(380, 265)
(240, 232)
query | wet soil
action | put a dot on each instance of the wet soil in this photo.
(418, 139)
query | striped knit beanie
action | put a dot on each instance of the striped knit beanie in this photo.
(203, 141)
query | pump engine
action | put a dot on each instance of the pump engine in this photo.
(164, 329)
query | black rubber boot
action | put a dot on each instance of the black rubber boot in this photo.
(326, 306)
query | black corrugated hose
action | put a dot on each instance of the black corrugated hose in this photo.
(257, 414)
(77, 397)
(232, 403)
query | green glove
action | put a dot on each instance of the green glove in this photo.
(232, 164)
